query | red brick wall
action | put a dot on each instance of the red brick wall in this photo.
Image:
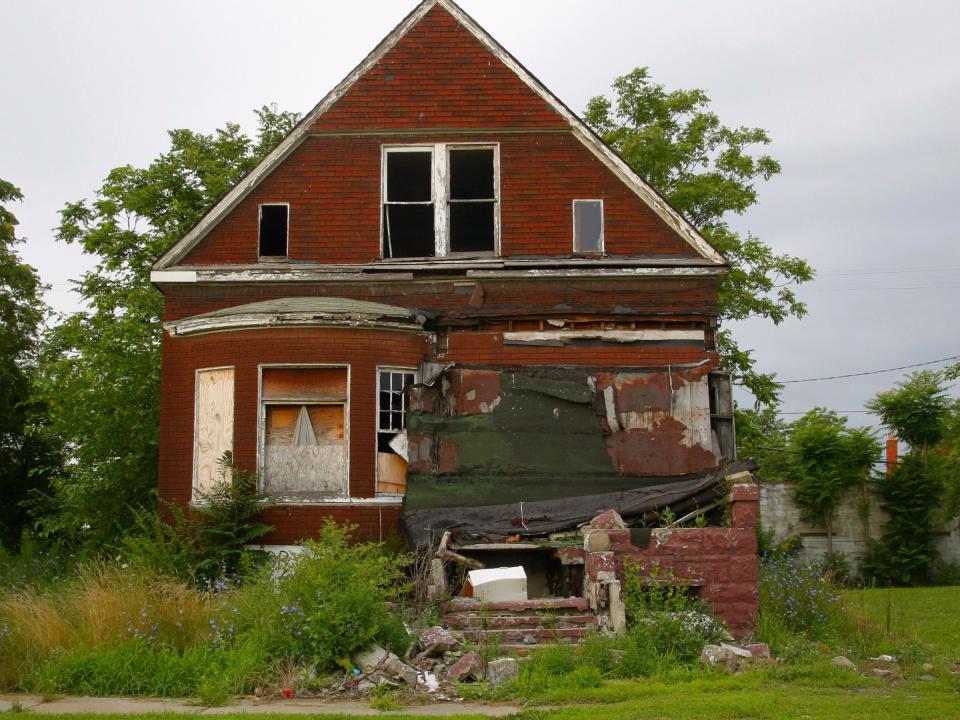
(362, 350)
(333, 187)
(487, 348)
(293, 523)
(721, 563)
(438, 77)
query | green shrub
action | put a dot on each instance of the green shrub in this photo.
(208, 543)
(912, 497)
(333, 599)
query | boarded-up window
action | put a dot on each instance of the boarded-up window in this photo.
(304, 432)
(392, 409)
(213, 427)
(588, 226)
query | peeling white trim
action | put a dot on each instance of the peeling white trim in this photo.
(580, 131)
(653, 272)
(197, 325)
(173, 276)
(479, 268)
(617, 336)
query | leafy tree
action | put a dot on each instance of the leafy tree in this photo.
(828, 458)
(918, 411)
(25, 455)
(705, 170)
(763, 436)
(101, 366)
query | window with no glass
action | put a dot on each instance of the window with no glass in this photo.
(588, 226)
(392, 410)
(303, 438)
(273, 230)
(439, 200)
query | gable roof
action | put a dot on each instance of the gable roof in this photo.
(579, 129)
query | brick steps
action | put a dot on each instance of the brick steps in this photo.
(507, 622)
(516, 637)
(545, 620)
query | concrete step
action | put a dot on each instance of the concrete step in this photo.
(514, 637)
(504, 622)
(539, 605)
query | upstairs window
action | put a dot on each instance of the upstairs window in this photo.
(588, 226)
(274, 223)
(440, 200)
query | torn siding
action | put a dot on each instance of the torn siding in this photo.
(481, 437)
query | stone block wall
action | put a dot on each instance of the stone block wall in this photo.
(851, 526)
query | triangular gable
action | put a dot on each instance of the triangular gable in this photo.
(579, 129)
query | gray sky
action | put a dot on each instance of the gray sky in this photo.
(861, 99)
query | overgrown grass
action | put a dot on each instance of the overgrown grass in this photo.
(927, 616)
(124, 629)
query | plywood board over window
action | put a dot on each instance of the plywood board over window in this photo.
(213, 434)
(304, 429)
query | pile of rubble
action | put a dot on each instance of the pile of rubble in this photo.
(432, 664)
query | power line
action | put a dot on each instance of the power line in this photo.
(870, 372)
(797, 412)
(881, 287)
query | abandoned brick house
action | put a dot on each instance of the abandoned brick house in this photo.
(442, 301)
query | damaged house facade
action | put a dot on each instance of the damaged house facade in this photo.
(443, 304)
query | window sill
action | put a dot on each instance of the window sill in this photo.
(295, 501)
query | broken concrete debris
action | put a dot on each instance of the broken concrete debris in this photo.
(502, 670)
(435, 641)
(844, 663)
(733, 658)
(469, 667)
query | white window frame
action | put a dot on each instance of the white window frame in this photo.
(440, 195)
(603, 227)
(260, 224)
(376, 425)
(262, 426)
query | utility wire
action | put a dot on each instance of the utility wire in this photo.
(870, 372)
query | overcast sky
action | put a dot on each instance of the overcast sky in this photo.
(861, 99)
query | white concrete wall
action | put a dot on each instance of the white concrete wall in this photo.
(779, 512)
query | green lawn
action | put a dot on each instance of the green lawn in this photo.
(928, 615)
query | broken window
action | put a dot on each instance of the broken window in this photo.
(273, 230)
(408, 210)
(721, 416)
(588, 226)
(438, 200)
(303, 420)
(213, 427)
(472, 200)
(392, 410)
